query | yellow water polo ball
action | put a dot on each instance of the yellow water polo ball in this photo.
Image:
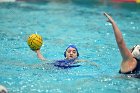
(35, 41)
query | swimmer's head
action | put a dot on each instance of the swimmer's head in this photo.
(3, 89)
(136, 51)
(71, 52)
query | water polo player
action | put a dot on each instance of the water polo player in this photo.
(130, 58)
(71, 55)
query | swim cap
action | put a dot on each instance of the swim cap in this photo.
(136, 51)
(3, 89)
(72, 46)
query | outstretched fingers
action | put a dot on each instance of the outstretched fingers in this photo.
(109, 18)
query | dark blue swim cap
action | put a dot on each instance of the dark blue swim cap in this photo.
(72, 46)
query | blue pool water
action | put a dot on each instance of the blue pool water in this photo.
(61, 24)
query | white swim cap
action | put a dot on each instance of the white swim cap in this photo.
(136, 51)
(3, 89)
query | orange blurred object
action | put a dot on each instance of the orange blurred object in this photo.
(123, 1)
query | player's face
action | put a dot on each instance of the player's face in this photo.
(71, 53)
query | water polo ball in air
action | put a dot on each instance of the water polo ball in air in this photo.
(35, 41)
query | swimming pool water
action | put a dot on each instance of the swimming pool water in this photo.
(61, 24)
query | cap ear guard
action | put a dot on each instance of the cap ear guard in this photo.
(134, 48)
(65, 54)
(77, 54)
(136, 51)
